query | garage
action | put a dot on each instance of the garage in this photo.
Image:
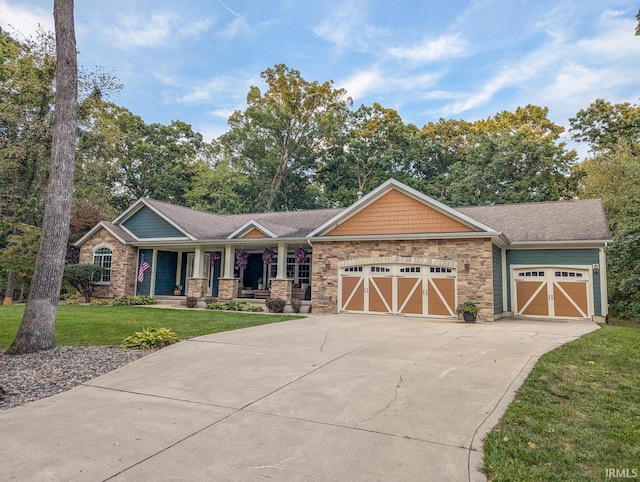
(552, 292)
(398, 289)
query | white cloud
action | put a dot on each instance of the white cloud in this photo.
(362, 83)
(237, 27)
(140, 31)
(346, 29)
(432, 50)
(25, 19)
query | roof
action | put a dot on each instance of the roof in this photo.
(579, 220)
(207, 226)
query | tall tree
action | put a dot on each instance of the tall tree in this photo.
(281, 135)
(36, 330)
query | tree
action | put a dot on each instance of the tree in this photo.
(36, 330)
(84, 278)
(279, 138)
(19, 255)
(602, 125)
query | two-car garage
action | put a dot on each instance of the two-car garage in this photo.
(401, 288)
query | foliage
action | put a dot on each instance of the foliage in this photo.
(101, 302)
(575, 415)
(242, 258)
(191, 302)
(20, 253)
(234, 306)
(83, 277)
(81, 325)
(150, 337)
(469, 307)
(134, 300)
(275, 305)
(603, 125)
(623, 270)
(295, 305)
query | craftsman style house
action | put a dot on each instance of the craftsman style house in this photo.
(395, 251)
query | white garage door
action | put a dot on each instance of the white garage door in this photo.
(551, 292)
(401, 289)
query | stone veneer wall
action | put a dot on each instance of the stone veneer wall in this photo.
(475, 285)
(228, 288)
(281, 288)
(123, 266)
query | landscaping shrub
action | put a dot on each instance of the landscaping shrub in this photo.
(150, 337)
(101, 303)
(191, 302)
(276, 305)
(209, 299)
(84, 278)
(134, 300)
(295, 305)
(234, 306)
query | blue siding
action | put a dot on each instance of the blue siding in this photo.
(144, 288)
(497, 279)
(544, 257)
(147, 224)
(167, 264)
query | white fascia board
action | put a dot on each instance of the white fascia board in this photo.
(596, 243)
(93, 230)
(246, 227)
(383, 189)
(402, 237)
(137, 206)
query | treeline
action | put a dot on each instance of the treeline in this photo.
(299, 144)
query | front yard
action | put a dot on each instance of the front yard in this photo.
(577, 415)
(79, 325)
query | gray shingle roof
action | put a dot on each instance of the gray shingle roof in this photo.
(567, 221)
(118, 231)
(205, 226)
(582, 220)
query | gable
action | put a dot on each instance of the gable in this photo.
(397, 213)
(145, 224)
(254, 233)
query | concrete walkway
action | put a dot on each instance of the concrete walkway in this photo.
(340, 397)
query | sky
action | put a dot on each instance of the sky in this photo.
(194, 60)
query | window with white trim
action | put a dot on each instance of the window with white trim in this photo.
(103, 257)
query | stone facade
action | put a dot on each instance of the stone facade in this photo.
(123, 265)
(197, 287)
(474, 284)
(228, 288)
(281, 288)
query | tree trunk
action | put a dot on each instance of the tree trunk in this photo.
(36, 331)
(8, 296)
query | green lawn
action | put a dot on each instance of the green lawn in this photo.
(109, 325)
(576, 416)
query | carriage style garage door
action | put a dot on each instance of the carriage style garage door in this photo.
(551, 292)
(400, 289)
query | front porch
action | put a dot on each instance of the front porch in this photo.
(226, 272)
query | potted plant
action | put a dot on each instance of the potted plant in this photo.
(177, 290)
(469, 311)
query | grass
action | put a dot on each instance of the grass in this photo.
(576, 416)
(78, 325)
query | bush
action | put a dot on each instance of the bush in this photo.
(234, 306)
(191, 302)
(295, 305)
(150, 337)
(276, 305)
(134, 300)
(83, 277)
(101, 303)
(209, 299)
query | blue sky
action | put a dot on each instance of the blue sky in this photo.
(194, 60)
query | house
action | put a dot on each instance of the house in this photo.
(395, 251)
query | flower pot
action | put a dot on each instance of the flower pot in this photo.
(177, 292)
(468, 317)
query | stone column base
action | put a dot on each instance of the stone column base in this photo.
(228, 288)
(281, 288)
(197, 287)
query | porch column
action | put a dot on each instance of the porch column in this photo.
(228, 287)
(154, 271)
(282, 261)
(281, 286)
(229, 253)
(198, 283)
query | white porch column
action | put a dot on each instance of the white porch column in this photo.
(198, 268)
(154, 268)
(229, 262)
(282, 261)
(179, 269)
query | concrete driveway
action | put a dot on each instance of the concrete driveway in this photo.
(340, 397)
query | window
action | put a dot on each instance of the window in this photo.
(410, 269)
(103, 257)
(440, 270)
